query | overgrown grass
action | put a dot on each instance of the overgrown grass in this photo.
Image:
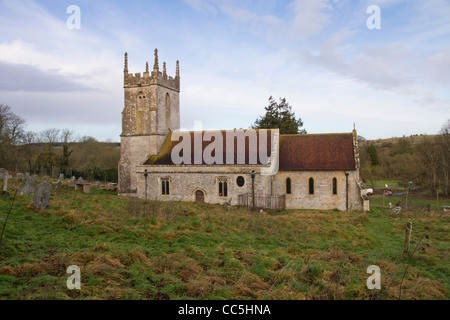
(130, 249)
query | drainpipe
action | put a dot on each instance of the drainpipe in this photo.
(346, 190)
(253, 188)
(145, 175)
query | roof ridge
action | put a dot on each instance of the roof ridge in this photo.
(315, 134)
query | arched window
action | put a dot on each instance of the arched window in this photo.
(165, 186)
(223, 187)
(334, 186)
(140, 113)
(288, 186)
(311, 186)
(167, 100)
(167, 112)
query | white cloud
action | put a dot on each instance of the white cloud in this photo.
(204, 6)
(310, 16)
(436, 67)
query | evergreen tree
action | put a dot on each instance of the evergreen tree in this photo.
(372, 152)
(279, 116)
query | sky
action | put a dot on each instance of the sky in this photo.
(234, 54)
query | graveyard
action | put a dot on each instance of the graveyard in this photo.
(224, 150)
(135, 249)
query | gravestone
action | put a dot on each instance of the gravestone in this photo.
(28, 188)
(20, 176)
(42, 195)
(4, 176)
(46, 178)
(80, 180)
(71, 182)
(35, 177)
(61, 177)
(58, 185)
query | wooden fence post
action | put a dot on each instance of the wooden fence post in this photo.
(408, 237)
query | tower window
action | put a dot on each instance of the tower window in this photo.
(165, 186)
(334, 186)
(167, 100)
(311, 186)
(288, 186)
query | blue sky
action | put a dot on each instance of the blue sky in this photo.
(318, 54)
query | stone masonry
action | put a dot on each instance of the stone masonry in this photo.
(151, 111)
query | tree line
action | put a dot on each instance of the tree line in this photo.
(54, 151)
(424, 160)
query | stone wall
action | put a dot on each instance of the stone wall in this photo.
(134, 151)
(186, 180)
(323, 197)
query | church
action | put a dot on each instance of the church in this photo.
(256, 168)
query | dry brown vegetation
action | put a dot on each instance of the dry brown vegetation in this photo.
(130, 249)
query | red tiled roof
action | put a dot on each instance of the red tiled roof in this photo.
(311, 152)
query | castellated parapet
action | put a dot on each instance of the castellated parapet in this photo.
(152, 78)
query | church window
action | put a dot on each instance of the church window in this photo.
(223, 187)
(311, 186)
(334, 186)
(167, 100)
(288, 186)
(165, 186)
(240, 181)
(167, 113)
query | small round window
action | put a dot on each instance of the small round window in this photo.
(240, 181)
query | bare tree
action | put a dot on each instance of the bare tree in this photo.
(67, 137)
(49, 137)
(11, 131)
(444, 148)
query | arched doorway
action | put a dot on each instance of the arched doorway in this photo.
(199, 196)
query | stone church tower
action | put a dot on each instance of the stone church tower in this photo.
(152, 110)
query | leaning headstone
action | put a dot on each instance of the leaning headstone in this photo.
(42, 195)
(28, 188)
(20, 176)
(58, 185)
(397, 210)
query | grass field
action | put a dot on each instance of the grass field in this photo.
(129, 249)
